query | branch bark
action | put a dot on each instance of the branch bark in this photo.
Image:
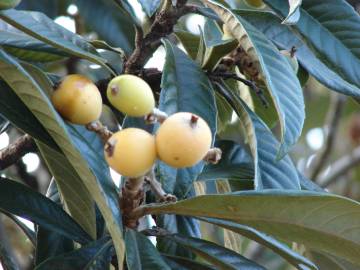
(333, 119)
(162, 26)
(340, 167)
(12, 153)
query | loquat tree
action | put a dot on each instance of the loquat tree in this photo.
(171, 134)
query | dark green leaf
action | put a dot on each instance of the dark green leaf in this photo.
(4, 123)
(277, 73)
(235, 164)
(141, 253)
(50, 243)
(19, 200)
(326, 261)
(75, 196)
(221, 257)
(111, 23)
(177, 224)
(180, 263)
(279, 248)
(269, 172)
(26, 47)
(320, 221)
(331, 27)
(20, 116)
(44, 29)
(285, 38)
(95, 255)
(189, 41)
(52, 8)
(216, 47)
(37, 101)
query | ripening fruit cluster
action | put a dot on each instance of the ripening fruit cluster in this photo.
(182, 140)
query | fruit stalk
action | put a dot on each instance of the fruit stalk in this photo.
(157, 189)
(132, 196)
(156, 116)
(99, 129)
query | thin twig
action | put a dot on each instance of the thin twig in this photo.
(157, 189)
(340, 167)
(251, 84)
(333, 119)
(12, 153)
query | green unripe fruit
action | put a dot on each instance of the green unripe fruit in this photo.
(131, 95)
(7, 4)
(255, 3)
(291, 58)
(131, 152)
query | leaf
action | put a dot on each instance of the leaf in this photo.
(326, 261)
(25, 229)
(331, 29)
(33, 97)
(177, 224)
(19, 200)
(279, 248)
(50, 243)
(294, 12)
(25, 46)
(44, 29)
(95, 255)
(285, 38)
(216, 47)
(307, 184)
(320, 221)
(221, 257)
(4, 123)
(279, 77)
(110, 22)
(184, 88)
(52, 8)
(189, 41)
(141, 253)
(74, 193)
(269, 172)
(7, 259)
(181, 263)
(150, 7)
(235, 164)
(21, 117)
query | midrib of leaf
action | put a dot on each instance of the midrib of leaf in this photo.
(8, 67)
(274, 222)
